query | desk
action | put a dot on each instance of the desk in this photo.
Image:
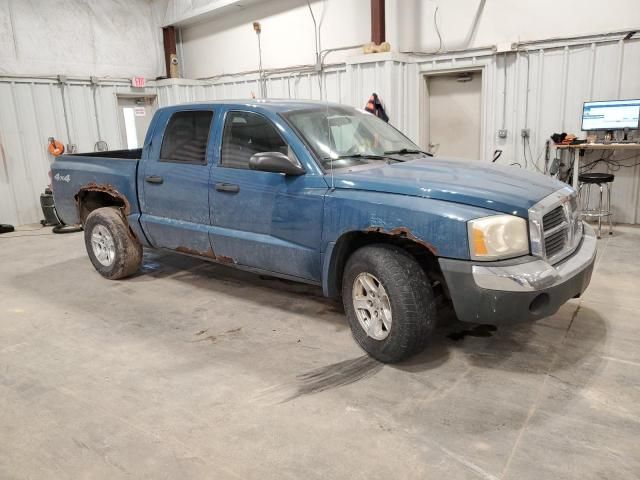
(592, 146)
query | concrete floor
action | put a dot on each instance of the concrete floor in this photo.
(193, 370)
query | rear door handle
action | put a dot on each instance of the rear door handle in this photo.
(154, 179)
(227, 187)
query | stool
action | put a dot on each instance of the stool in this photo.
(603, 180)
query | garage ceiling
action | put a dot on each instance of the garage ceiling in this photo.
(187, 12)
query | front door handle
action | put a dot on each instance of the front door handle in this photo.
(154, 179)
(227, 187)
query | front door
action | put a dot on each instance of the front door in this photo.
(174, 182)
(260, 219)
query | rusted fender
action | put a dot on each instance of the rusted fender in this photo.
(104, 188)
(404, 232)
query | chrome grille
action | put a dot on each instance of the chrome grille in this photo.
(555, 242)
(554, 218)
(555, 227)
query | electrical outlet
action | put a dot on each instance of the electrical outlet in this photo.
(502, 133)
(524, 133)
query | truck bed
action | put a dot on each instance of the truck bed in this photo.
(113, 171)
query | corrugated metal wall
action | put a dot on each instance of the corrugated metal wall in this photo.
(32, 111)
(561, 75)
(543, 84)
(288, 85)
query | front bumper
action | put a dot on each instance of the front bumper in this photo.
(527, 288)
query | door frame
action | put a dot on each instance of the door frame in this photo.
(153, 97)
(423, 117)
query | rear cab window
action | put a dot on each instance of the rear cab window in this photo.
(186, 137)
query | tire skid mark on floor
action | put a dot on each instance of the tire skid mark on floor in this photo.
(321, 379)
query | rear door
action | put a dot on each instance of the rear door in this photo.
(265, 220)
(174, 181)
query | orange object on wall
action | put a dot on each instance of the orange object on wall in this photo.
(56, 148)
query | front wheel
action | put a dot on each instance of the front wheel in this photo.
(389, 302)
(113, 250)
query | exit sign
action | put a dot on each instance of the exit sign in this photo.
(137, 82)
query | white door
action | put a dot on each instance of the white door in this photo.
(454, 111)
(135, 116)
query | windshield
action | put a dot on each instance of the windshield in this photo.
(345, 137)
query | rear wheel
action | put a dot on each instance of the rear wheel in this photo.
(389, 302)
(112, 248)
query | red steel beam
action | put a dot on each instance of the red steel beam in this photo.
(377, 21)
(169, 40)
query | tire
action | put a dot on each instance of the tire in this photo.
(410, 307)
(112, 248)
(62, 228)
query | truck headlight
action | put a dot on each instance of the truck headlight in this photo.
(498, 237)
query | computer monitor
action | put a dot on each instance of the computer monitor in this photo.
(610, 115)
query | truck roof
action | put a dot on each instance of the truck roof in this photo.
(274, 105)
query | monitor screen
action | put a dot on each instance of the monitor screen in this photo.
(610, 115)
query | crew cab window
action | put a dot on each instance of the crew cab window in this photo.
(186, 137)
(246, 134)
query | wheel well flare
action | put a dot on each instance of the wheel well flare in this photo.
(93, 196)
(422, 251)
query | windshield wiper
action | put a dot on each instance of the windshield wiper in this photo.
(365, 156)
(405, 151)
(357, 155)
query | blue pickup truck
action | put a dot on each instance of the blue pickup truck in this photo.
(333, 196)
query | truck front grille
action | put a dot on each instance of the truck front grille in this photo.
(555, 242)
(554, 218)
(555, 228)
(555, 225)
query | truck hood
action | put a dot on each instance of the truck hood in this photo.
(495, 187)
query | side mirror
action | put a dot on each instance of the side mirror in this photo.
(275, 162)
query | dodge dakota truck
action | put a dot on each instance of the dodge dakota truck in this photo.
(333, 196)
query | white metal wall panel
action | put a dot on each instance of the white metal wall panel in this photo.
(20, 167)
(31, 113)
(286, 86)
(107, 104)
(560, 77)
